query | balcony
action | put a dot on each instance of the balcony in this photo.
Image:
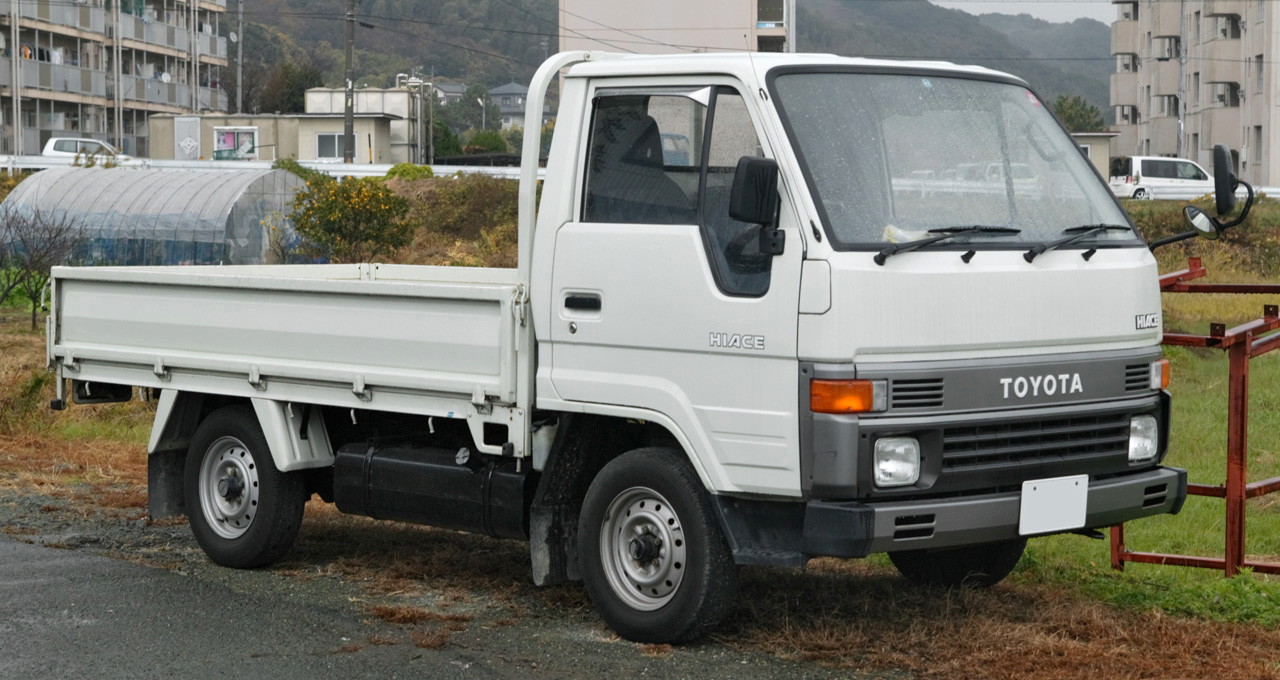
(1124, 89)
(40, 75)
(1124, 38)
(1166, 20)
(211, 99)
(213, 45)
(64, 13)
(154, 33)
(1163, 133)
(1222, 62)
(1220, 125)
(1166, 76)
(1220, 7)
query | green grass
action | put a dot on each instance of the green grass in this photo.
(1198, 442)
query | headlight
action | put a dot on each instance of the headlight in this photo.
(897, 461)
(1144, 438)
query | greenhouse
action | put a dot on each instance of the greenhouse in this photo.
(162, 217)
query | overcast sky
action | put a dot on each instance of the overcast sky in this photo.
(1049, 10)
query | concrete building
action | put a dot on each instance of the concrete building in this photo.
(100, 69)
(1195, 73)
(407, 125)
(267, 137)
(1096, 146)
(666, 26)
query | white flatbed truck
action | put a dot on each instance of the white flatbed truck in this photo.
(756, 347)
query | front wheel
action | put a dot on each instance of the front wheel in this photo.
(243, 511)
(974, 565)
(654, 561)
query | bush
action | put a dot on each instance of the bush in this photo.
(410, 172)
(350, 220)
(311, 176)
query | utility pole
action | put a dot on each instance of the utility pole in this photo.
(16, 88)
(431, 119)
(195, 61)
(118, 57)
(349, 119)
(239, 59)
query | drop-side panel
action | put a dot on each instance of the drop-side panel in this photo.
(437, 338)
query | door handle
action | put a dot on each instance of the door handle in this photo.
(583, 302)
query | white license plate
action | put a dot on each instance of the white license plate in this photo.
(1057, 504)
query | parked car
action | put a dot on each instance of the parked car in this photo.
(1155, 177)
(75, 146)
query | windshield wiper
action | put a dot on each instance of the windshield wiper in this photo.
(944, 233)
(1077, 234)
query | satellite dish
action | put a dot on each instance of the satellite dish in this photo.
(233, 37)
(165, 77)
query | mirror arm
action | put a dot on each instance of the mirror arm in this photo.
(1174, 239)
(1244, 212)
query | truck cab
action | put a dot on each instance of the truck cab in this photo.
(753, 346)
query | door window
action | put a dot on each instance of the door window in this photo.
(643, 160)
(669, 158)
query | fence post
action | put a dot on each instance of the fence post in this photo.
(1237, 451)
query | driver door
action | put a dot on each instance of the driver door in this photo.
(665, 303)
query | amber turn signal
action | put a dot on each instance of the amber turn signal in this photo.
(846, 396)
(1160, 374)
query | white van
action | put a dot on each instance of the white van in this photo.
(72, 146)
(1156, 177)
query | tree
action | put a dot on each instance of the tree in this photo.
(1078, 115)
(39, 241)
(467, 113)
(447, 143)
(486, 141)
(350, 220)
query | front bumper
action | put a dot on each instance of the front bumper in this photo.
(853, 529)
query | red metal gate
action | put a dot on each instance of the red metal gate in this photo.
(1241, 343)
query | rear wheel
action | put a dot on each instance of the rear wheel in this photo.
(654, 561)
(1139, 194)
(243, 511)
(974, 565)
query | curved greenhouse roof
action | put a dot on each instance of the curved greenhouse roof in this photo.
(151, 217)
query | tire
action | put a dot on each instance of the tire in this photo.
(981, 566)
(243, 511)
(679, 583)
(1139, 194)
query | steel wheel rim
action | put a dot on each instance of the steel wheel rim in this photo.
(642, 548)
(229, 487)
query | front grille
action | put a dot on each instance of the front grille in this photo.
(916, 393)
(1059, 439)
(1137, 377)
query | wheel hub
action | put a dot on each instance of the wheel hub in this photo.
(229, 487)
(642, 548)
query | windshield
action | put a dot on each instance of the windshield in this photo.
(889, 157)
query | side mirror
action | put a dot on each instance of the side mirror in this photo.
(1205, 226)
(754, 197)
(1224, 180)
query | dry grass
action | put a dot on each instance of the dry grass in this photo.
(855, 615)
(656, 651)
(349, 648)
(406, 614)
(383, 640)
(429, 639)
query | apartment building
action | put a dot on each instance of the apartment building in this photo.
(666, 26)
(1194, 73)
(101, 68)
